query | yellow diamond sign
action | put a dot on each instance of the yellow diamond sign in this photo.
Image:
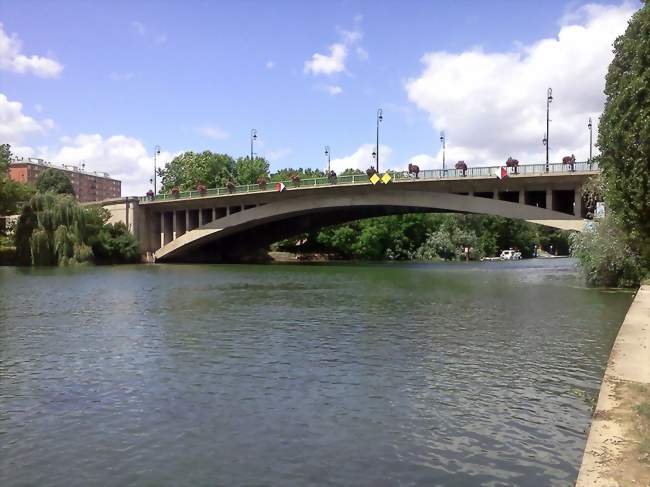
(374, 179)
(386, 178)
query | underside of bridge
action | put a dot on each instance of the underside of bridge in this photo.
(250, 244)
(245, 234)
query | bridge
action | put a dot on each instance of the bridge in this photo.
(229, 223)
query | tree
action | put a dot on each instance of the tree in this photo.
(53, 229)
(248, 170)
(5, 157)
(286, 173)
(624, 133)
(11, 192)
(189, 169)
(54, 181)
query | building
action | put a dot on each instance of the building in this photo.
(88, 185)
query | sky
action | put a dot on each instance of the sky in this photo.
(103, 83)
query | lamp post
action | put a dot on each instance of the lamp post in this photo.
(549, 99)
(156, 153)
(443, 140)
(380, 117)
(253, 139)
(327, 153)
(590, 127)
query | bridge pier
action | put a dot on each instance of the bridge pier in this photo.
(549, 199)
(577, 202)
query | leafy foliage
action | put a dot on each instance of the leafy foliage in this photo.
(188, 170)
(429, 237)
(54, 181)
(54, 229)
(606, 258)
(306, 173)
(624, 133)
(11, 192)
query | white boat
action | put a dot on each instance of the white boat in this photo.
(510, 255)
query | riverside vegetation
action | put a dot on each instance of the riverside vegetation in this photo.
(53, 229)
(617, 251)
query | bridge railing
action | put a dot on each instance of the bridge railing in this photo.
(427, 174)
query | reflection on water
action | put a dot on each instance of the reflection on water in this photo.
(410, 374)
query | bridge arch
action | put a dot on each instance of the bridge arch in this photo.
(389, 199)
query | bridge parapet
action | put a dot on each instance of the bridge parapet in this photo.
(487, 172)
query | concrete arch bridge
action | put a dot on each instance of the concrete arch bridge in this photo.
(228, 224)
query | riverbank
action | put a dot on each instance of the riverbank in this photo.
(618, 448)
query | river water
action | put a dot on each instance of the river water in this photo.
(396, 374)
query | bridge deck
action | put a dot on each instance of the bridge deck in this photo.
(474, 173)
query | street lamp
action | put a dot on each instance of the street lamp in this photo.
(327, 153)
(156, 153)
(590, 127)
(380, 117)
(549, 99)
(443, 139)
(253, 139)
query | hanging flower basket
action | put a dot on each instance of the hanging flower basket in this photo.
(231, 186)
(176, 191)
(461, 166)
(512, 163)
(201, 188)
(261, 182)
(295, 179)
(150, 195)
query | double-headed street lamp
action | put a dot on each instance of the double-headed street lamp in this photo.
(380, 117)
(253, 139)
(327, 153)
(590, 127)
(156, 153)
(443, 141)
(549, 99)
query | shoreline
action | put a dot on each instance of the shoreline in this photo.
(616, 452)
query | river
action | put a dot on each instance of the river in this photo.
(378, 374)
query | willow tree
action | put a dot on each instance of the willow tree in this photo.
(624, 133)
(54, 230)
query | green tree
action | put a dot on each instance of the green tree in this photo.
(54, 181)
(624, 133)
(5, 157)
(248, 170)
(53, 229)
(605, 256)
(11, 192)
(286, 173)
(352, 172)
(186, 171)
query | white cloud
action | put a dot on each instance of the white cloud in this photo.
(121, 76)
(276, 154)
(323, 64)
(213, 132)
(270, 65)
(138, 28)
(124, 158)
(12, 59)
(15, 125)
(362, 54)
(425, 161)
(335, 61)
(350, 36)
(362, 159)
(493, 105)
(331, 89)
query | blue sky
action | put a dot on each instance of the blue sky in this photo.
(103, 82)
